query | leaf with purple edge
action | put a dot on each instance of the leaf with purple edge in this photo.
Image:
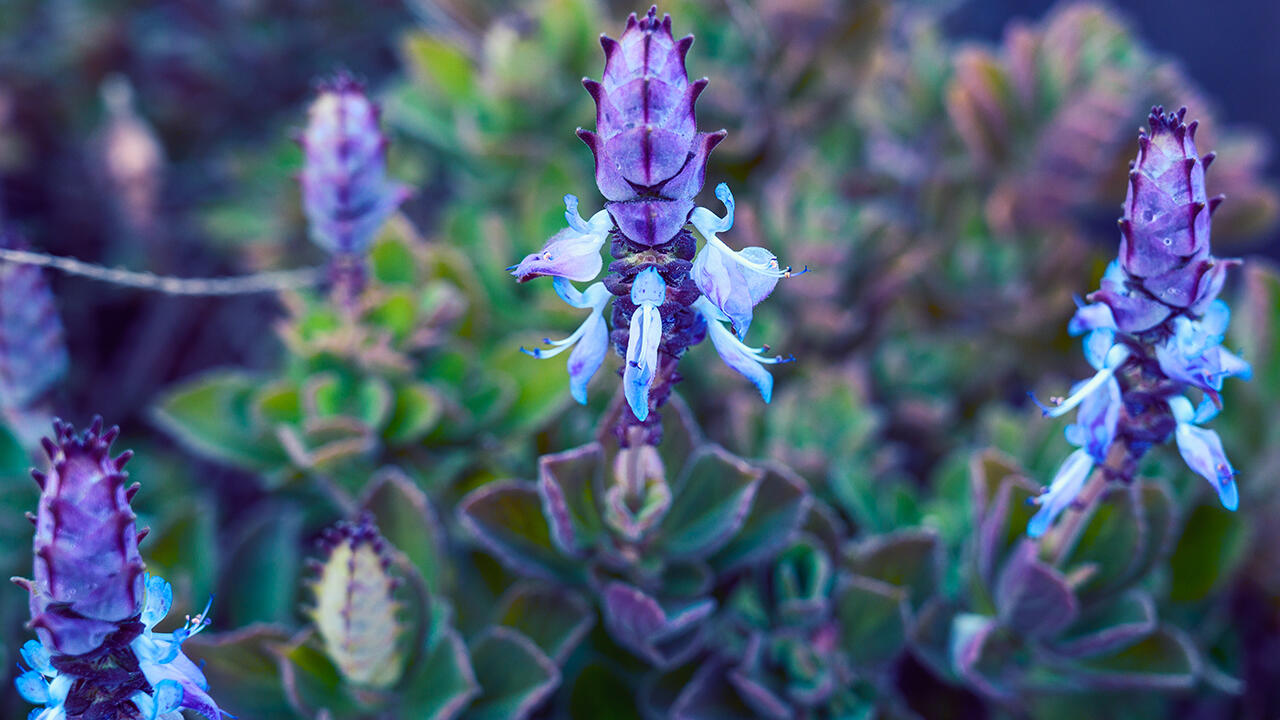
(243, 659)
(1110, 543)
(409, 523)
(441, 683)
(505, 518)
(873, 620)
(210, 415)
(782, 502)
(664, 634)
(711, 503)
(985, 657)
(1001, 492)
(568, 483)
(1164, 660)
(709, 695)
(311, 681)
(555, 619)
(1109, 626)
(515, 676)
(1033, 599)
(910, 559)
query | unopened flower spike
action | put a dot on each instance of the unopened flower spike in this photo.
(667, 294)
(346, 193)
(355, 610)
(1152, 331)
(93, 606)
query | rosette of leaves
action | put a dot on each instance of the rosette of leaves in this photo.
(383, 639)
(388, 377)
(817, 633)
(1070, 613)
(653, 533)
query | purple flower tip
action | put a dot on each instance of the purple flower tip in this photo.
(88, 575)
(345, 190)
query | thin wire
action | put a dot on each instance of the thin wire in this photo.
(256, 283)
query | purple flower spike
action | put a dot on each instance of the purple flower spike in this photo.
(88, 575)
(345, 190)
(651, 162)
(650, 158)
(1153, 331)
(33, 353)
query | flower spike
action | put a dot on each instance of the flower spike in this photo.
(651, 163)
(1153, 330)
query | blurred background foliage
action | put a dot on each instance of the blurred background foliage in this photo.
(950, 195)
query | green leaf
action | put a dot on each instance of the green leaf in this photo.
(1164, 659)
(1212, 544)
(909, 559)
(506, 519)
(407, 520)
(311, 681)
(596, 693)
(515, 676)
(243, 669)
(440, 64)
(711, 502)
(185, 550)
(569, 485)
(442, 682)
(417, 409)
(1112, 541)
(391, 260)
(781, 504)
(873, 621)
(556, 620)
(260, 578)
(210, 415)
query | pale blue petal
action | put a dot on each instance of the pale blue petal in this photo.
(739, 357)
(642, 358)
(588, 355)
(1088, 318)
(37, 657)
(649, 288)
(159, 600)
(1066, 485)
(1096, 346)
(572, 253)
(33, 688)
(1201, 448)
(1095, 427)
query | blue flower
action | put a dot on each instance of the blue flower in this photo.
(648, 292)
(42, 684)
(1106, 361)
(572, 253)
(735, 282)
(176, 682)
(1193, 354)
(747, 361)
(590, 342)
(1201, 448)
(1062, 491)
